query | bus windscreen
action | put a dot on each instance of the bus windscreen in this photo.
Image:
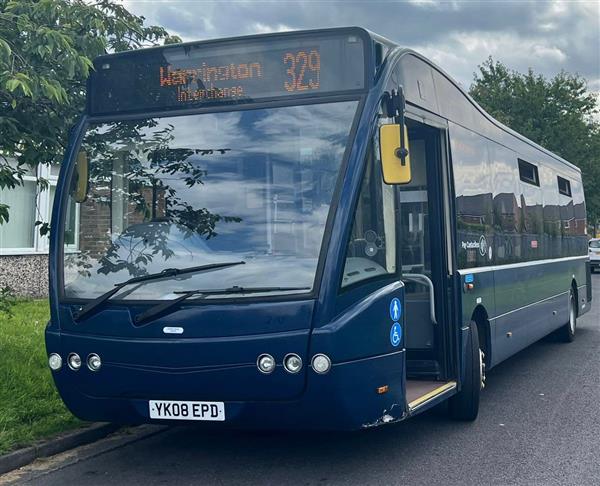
(188, 76)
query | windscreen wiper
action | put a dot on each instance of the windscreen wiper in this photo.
(165, 307)
(95, 304)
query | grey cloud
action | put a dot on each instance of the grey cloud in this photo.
(547, 36)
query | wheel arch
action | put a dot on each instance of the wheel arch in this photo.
(576, 295)
(480, 317)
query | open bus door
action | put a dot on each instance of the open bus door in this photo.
(431, 334)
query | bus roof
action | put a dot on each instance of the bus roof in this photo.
(468, 99)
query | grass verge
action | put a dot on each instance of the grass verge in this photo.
(30, 407)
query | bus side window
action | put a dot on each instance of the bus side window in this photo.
(371, 250)
(580, 231)
(474, 201)
(552, 237)
(507, 212)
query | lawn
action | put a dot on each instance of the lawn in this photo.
(30, 407)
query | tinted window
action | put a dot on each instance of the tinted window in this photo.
(564, 186)
(552, 234)
(532, 222)
(507, 210)
(579, 219)
(568, 227)
(528, 173)
(474, 203)
(371, 251)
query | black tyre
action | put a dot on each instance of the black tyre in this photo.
(567, 332)
(465, 404)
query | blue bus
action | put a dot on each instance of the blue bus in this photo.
(315, 229)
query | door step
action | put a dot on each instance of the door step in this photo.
(420, 392)
(421, 369)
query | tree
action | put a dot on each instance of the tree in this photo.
(559, 113)
(46, 53)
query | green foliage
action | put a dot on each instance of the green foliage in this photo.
(7, 301)
(4, 213)
(46, 53)
(31, 408)
(559, 113)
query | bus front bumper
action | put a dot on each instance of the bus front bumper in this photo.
(353, 395)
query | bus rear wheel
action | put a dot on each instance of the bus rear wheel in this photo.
(567, 332)
(465, 404)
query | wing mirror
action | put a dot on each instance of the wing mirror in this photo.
(395, 159)
(393, 141)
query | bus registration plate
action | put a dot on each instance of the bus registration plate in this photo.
(176, 410)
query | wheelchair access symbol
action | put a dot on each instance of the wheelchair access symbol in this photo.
(395, 309)
(396, 334)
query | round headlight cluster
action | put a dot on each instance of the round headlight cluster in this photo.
(292, 363)
(55, 362)
(265, 363)
(94, 362)
(321, 364)
(74, 361)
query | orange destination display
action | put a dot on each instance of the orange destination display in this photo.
(235, 71)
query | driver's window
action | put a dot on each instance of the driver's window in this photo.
(371, 249)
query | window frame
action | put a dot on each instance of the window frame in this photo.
(374, 154)
(566, 191)
(43, 212)
(524, 165)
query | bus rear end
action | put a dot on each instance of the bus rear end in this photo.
(201, 224)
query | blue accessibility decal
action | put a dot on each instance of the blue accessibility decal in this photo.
(395, 309)
(396, 334)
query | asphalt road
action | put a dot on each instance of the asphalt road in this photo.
(539, 423)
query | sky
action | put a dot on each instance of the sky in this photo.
(546, 36)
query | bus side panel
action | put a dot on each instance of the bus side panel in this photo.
(531, 302)
(524, 326)
(482, 294)
(531, 283)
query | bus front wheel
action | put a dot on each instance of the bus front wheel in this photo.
(465, 404)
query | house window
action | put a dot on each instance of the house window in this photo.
(28, 203)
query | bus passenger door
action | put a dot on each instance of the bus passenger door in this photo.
(425, 269)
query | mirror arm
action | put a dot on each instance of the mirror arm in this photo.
(401, 103)
(395, 103)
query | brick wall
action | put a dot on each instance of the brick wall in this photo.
(94, 222)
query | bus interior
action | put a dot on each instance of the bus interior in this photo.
(424, 267)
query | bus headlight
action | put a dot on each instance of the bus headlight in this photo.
(94, 362)
(55, 362)
(321, 364)
(265, 363)
(74, 361)
(292, 363)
